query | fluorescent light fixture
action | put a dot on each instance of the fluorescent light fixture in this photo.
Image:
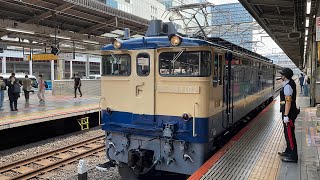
(91, 42)
(118, 31)
(308, 7)
(109, 35)
(306, 32)
(306, 38)
(307, 22)
(60, 37)
(20, 30)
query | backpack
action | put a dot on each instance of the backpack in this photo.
(16, 88)
(2, 85)
(308, 80)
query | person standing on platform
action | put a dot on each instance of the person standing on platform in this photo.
(2, 89)
(301, 80)
(14, 93)
(26, 83)
(41, 89)
(289, 112)
(77, 85)
(9, 80)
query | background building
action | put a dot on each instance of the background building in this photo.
(233, 23)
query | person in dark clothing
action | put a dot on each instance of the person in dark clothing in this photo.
(9, 80)
(289, 112)
(301, 80)
(77, 85)
(13, 93)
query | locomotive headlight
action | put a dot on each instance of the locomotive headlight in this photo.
(175, 40)
(109, 111)
(186, 116)
(116, 43)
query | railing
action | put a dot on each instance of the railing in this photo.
(89, 87)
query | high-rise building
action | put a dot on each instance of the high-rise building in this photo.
(147, 9)
(233, 23)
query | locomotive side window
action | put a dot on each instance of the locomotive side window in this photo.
(143, 64)
(116, 65)
(216, 68)
(220, 69)
(193, 64)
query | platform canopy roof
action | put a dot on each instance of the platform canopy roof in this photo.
(87, 23)
(280, 17)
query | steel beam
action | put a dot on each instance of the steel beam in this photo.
(281, 3)
(50, 13)
(277, 17)
(46, 31)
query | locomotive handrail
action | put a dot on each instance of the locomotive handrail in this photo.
(137, 88)
(194, 120)
(102, 98)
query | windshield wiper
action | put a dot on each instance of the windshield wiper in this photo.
(176, 57)
(114, 58)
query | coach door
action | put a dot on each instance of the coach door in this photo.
(143, 84)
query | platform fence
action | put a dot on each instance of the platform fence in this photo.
(89, 87)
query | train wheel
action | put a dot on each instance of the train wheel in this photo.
(126, 172)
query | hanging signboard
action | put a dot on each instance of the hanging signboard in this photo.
(43, 57)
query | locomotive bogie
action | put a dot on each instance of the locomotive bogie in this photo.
(167, 155)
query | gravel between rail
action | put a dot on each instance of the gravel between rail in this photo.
(22, 152)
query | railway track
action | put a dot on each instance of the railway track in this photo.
(39, 166)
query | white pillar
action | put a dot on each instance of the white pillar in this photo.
(71, 70)
(60, 69)
(87, 67)
(4, 65)
(101, 67)
(52, 70)
(30, 67)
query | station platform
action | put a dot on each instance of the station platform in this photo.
(253, 153)
(55, 107)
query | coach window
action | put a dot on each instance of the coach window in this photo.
(143, 64)
(185, 64)
(116, 65)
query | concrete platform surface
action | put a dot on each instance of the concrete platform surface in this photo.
(55, 107)
(252, 153)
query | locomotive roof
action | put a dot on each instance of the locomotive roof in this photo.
(155, 42)
(163, 41)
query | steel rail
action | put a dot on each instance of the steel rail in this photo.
(53, 164)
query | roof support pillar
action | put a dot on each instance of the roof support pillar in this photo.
(4, 65)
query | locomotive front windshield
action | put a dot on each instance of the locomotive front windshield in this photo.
(185, 63)
(116, 65)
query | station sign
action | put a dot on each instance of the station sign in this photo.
(43, 57)
(318, 29)
(65, 56)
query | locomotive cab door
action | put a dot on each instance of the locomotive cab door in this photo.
(143, 86)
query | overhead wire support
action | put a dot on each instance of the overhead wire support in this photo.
(191, 15)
